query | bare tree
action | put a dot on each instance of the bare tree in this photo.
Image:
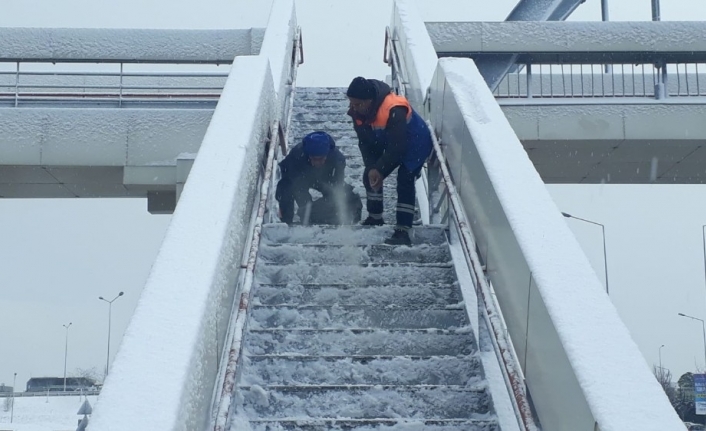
(90, 373)
(664, 377)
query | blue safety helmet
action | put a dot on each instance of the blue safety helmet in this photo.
(317, 144)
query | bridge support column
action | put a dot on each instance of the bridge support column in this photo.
(183, 167)
(161, 202)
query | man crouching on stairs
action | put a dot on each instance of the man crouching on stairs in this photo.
(316, 163)
(391, 135)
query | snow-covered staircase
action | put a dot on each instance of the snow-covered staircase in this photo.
(346, 333)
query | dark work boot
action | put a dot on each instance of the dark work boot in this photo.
(372, 221)
(399, 237)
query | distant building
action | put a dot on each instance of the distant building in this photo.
(56, 384)
(5, 389)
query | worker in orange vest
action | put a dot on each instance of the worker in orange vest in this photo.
(391, 135)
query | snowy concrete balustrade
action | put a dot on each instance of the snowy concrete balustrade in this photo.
(277, 46)
(581, 366)
(417, 52)
(175, 339)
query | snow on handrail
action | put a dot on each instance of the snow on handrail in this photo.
(94, 45)
(226, 395)
(511, 372)
(278, 140)
(577, 355)
(418, 57)
(278, 44)
(174, 340)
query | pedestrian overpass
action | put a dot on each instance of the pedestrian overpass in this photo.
(247, 324)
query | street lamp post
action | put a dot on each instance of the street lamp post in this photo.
(703, 327)
(604, 17)
(605, 255)
(656, 15)
(12, 408)
(110, 311)
(66, 351)
(703, 241)
(660, 358)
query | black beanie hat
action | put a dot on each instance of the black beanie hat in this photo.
(361, 88)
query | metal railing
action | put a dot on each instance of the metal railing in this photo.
(49, 394)
(643, 80)
(226, 384)
(32, 83)
(443, 194)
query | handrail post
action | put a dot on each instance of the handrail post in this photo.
(301, 47)
(529, 80)
(661, 78)
(384, 49)
(17, 85)
(120, 94)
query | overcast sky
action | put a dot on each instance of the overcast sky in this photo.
(58, 256)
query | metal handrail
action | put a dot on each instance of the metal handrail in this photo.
(510, 369)
(113, 87)
(125, 74)
(512, 373)
(658, 80)
(297, 48)
(49, 394)
(52, 85)
(236, 332)
(102, 97)
(228, 388)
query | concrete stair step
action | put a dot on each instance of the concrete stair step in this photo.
(449, 371)
(337, 317)
(336, 254)
(279, 233)
(361, 342)
(375, 425)
(434, 402)
(360, 275)
(402, 296)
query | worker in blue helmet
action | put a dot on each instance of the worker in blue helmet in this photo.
(316, 163)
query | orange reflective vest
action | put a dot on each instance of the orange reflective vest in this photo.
(391, 101)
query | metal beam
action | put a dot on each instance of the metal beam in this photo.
(493, 69)
(100, 45)
(543, 10)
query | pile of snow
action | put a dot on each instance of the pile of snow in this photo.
(42, 413)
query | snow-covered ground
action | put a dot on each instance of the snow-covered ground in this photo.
(44, 413)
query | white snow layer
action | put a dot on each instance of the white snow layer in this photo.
(619, 388)
(417, 49)
(567, 36)
(28, 44)
(42, 413)
(174, 338)
(100, 137)
(277, 44)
